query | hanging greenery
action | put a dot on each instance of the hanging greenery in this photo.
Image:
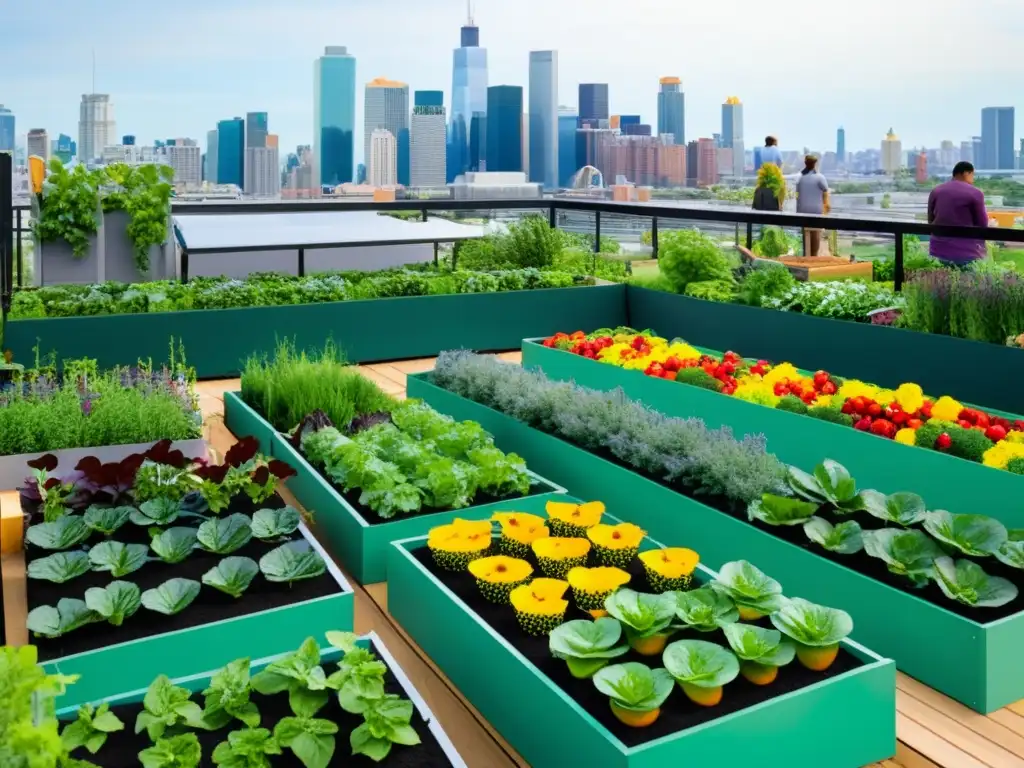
(144, 193)
(70, 207)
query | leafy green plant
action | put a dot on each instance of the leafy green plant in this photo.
(386, 722)
(144, 193)
(311, 739)
(974, 535)
(781, 510)
(232, 575)
(159, 511)
(171, 597)
(1011, 553)
(636, 691)
(768, 281)
(817, 630)
(174, 545)
(63, 533)
(301, 675)
(91, 728)
(587, 646)
(701, 669)
(705, 609)
(905, 553)
(966, 582)
(59, 567)
(359, 679)
(222, 536)
(167, 706)
(107, 520)
(530, 242)
(182, 751)
(270, 524)
(115, 602)
(645, 618)
(902, 508)
(843, 539)
(711, 290)
(761, 651)
(117, 558)
(754, 593)
(775, 243)
(227, 697)
(291, 562)
(687, 256)
(830, 484)
(247, 748)
(50, 622)
(70, 207)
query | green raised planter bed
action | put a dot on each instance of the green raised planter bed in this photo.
(844, 722)
(243, 421)
(973, 371)
(974, 662)
(219, 340)
(196, 683)
(945, 482)
(133, 665)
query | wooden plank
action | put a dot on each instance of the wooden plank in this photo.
(381, 381)
(1017, 706)
(12, 524)
(389, 372)
(1009, 719)
(515, 356)
(929, 750)
(953, 733)
(414, 366)
(12, 568)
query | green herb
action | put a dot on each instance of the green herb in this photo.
(59, 567)
(165, 706)
(247, 748)
(359, 679)
(171, 597)
(117, 558)
(301, 675)
(386, 722)
(91, 728)
(227, 697)
(114, 602)
(182, 751)
(232, 575)
(311, 739)
(64, 533)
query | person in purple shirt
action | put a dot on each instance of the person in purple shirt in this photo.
(957, 203)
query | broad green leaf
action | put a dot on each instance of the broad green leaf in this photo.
(171, 597)
(183, 751)
(902, 508)
(227, 697)
(312, 740)
(159, 511)
(906, 553)
(117, 558)
(59, 567)
(812, 624)
(293, 561)
(274, 523)
(843, 539)
(1011, 554)
(64, 533)
(107, 520)
(781, 510)
(748, 587)
(634, 686)
(642, 615)
(343, 641)
(69, 615)
(90, 729)
(222, 536)
(700, 663)
(1015, 534)
(245, 748)
(363, 742)
(763, 646)
(705, 609)
(974, 535)
(166, 705)
(966, 582)
(232, 575)
(115, 602)
(174, 544)
(582, 639)
(830, 483)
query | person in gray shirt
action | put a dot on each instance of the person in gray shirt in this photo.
(811, 197)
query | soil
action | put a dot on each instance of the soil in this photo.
(122, 748)
(209, 606)
(678, 713)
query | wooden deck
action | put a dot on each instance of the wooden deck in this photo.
(934, 731)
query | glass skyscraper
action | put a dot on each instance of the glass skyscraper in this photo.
(996, 139)
(387, 107)
(334, 116)
(467, 126)
(231, 152)
(256, 129)
(672, 109)
(593, 104)
(6, 130)
(732, 133)
(505, 128)
(544, 118)
(567, 119)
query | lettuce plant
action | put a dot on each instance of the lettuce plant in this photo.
(902, 508)
(817, 630)
(906, 553)
(115, 602)
(587, 646)
(781, 510)
(974, 535)
(701, 669)
(182, 751)
(232, 575)
(761, 651)
(636, 691)
(844, 538)
(385, 722)
(174, 545)
(247, 748)
(754, 593)
(222, 536)
(645, 618)
(311, 739)
(91, 728)
(705, 609)
(69, 615)
(292, 562)
(59, 567)
(273, 524)
(227, 697)
(829, 484)
(61, 534)
(301, 675)
(1011, 553)
(167, 706)
(118, 559)
(171, 597)
(159, 511)
(359, 679)
(966, 582)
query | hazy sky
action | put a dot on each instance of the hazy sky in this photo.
(800, 67)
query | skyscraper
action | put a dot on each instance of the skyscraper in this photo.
(505, 128)
(64, 148)
(256, 129)
(387, 107)
(732, 133)
(543, 121)
(892, 153)
(6, 130)
(38, 143)
(567, 122)
(231, 152)
(382, 156)
(841, 145)
(96, 126)
(996, 139)
(672, 109)
(428, 140)
(593, 99)
(334, 116)
(466, 143)
(185, 158)
(212, 140)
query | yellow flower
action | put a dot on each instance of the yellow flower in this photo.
(613, 354)
(576, 515)
(1016, 436)
(671, 562)
(1000, 454)
(946, 409)
(500, 569)
(759, 392)
(884, 397)
(621, 536)
(561, 548)
(521, 526)
(597, 581)
(541, 597)
(781, 372)
(683, 351)
(855, 388)
(910, 397)
(907, 436)
(461, 536)
(823, 400)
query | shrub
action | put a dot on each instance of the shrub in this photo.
(972, 305)
(774, 243)
(766, 281)
(681, 452)
(831, 414)
(585, 241)
(481, 254)
(711, 290)
(698, 377)
(969, 444)
(687, 256)
(793, 404)
(581, 262)
(1016, 466)
(530, 242)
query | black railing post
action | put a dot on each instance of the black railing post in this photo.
(6, 230)
(184, 265)
(436, 248)
(597, 231)
(750, 235)
(17, 248)
(302, 262)
(552, 217)
(424, 212)
(897, 276)
(654, 237)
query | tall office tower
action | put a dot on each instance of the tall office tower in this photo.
(382, 170)
(996, 139)
(567, 122)
(334, 116)
(428, 139)
(467, 128)
(732, 133)
(1020, 156)
(256, 129)
(976, 151)
(231, 152)
(212, 141)
(6, 130)
(387, 107)
(63, 148)
(185, 157)
(96, 126)
(891, 153)
(593, 100)
(38, 143)
(505, 128)
(705, 161)
(841, 145)
(543, 119)
(672, 109)
(262, 171)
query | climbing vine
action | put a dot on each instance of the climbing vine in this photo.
(144, 193)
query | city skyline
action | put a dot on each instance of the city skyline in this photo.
(158, 92)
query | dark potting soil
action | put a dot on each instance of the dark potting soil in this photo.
(122, 748)
(677, 713)
(209, 606)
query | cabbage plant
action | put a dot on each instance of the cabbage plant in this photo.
(701, 669)
(966, 582)
(587, 646)
(974, 535)
(704, 609)
(903, 508)
(817, 630)
(781, 510)
(905, 553)
(754, 593)
(636, 691)
(646, 618)
(846, 538)
(829, 484)
(761, 651)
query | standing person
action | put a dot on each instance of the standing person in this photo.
(811, 197)
(771, 153)
(957, 203)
